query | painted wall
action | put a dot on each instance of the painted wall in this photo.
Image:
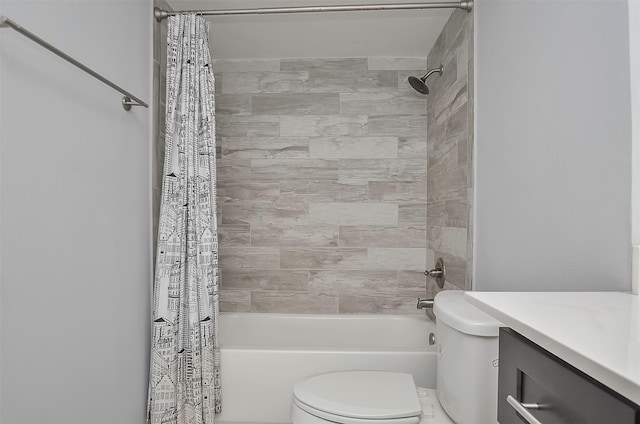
(450, 142)
(396, 33)
(321, 185)
(75, 215)
(634, 49)
(552, 146)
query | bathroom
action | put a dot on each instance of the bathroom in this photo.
(543, 186)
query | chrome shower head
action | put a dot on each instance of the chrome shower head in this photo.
(419, 84)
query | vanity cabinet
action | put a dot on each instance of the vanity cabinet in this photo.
(547, 390)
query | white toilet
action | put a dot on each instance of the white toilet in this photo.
(467, 380)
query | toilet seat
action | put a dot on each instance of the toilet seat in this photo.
(324, 416)
(358, 397)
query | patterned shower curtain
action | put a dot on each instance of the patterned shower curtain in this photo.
(184, 386)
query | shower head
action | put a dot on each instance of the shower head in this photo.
(419, 84)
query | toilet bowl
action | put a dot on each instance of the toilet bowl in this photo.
(466, 388)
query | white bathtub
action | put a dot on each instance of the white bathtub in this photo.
(264, 355)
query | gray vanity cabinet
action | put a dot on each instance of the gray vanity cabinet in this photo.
(535, 386)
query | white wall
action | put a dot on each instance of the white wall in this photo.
(396, 33)
(634, 48)
(74, 216)
(553, 145)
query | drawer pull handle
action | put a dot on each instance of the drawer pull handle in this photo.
(521, 408)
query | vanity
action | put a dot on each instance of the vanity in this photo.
(566, 357)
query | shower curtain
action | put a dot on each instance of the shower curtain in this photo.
(184, 382)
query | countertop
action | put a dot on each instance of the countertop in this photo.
(596, 332)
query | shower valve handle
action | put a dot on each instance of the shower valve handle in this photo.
(435, 273)
(438, 273)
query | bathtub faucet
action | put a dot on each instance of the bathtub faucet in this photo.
(424, 303)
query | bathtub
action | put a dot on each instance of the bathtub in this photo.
(264, 355)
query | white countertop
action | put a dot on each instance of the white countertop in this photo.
(598, 333)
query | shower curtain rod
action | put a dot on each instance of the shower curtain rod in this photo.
(467, 5)
(127, 101)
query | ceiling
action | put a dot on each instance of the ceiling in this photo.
(331, 34)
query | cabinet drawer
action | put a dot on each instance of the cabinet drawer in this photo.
(532, 375)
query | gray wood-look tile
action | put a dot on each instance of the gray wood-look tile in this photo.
(398, 191)
(353, 281)
(292, 302)
(322, 196)
(363, 304)
(264, 213)
(353, 147)
(453, 241)
(249, 191)
(323, 125)
(412, 148)
(232, 171)
(447, 105)
(246, 65)
(407, 126)
(235, 301)
(382, 103)
(295, 235)
(230, 235)
(443, 151)
(247, 125)
(396, 63)
(377, 236)
(352, 81)
(436, 214)
(431, 258)
(446, 185)
(323, 258)
(463, 151)
(217, 83)
(434, 236)
(265, 147)
(354, 170)
(294, 169)
(397, 258)
(412, 283)
(233, 104)
(322, 191)
(449, 240)
(337, 213)
(265, 82)
(265, 279)
(457, 124)
(324, 64)
(249, 257)
(295, 104)
(412, 214)
(456, 213)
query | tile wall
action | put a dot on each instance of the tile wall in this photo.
(322, 177)
(450, 147)
(322, 185)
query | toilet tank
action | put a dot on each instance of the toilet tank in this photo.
(467, 371)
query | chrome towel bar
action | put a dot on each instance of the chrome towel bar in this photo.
(127, 101)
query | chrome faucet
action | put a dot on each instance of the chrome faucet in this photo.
(424, 303)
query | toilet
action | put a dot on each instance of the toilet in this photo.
(466, 382)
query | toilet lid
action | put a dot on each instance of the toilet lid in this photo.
(361, 394)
